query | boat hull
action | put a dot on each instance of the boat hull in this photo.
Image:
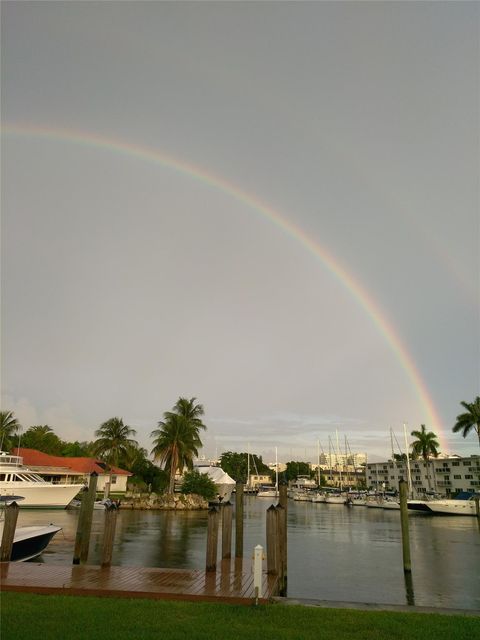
(30, 542)
(452, 507)
(38, 495)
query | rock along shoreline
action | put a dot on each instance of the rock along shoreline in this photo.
(163, 502)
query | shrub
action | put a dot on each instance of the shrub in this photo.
(199, 483)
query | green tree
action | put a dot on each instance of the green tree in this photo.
(42, 438)
(424, 446)
(236, 465)
(470, 420)
(177, 439)
(77, 449)
(9, 427)
(200, 484)
(113, 440)
(297, 468)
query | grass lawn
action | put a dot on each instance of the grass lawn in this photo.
(27, 616)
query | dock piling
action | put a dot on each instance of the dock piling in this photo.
(10, 524)
(239, 520)
(212, 539)
(282, 548)
(272, 535)
(109, 534)
(407, 565)
(227, 516)
(84, 526)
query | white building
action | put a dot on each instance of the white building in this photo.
(445, 475)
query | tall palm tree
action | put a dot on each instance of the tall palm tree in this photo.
(9, 427)
(113, 442)
(424, 446)
(177, 439)
(470, 420)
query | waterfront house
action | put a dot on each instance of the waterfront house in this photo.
(58, 469)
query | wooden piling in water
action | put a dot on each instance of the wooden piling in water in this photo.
(9, 526)
(477, 507)
(84, 526)
(272, 535)
(283, 501)
(239, 520)
(407, 565)
(109, 534)
(212, 539)
(227, 517)
(282, 550)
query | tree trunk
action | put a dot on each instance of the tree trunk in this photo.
(173, 470)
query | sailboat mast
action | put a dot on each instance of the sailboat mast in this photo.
(409, 477)
(248, 466)
(318, 462)
(276, 470)
(339, 469)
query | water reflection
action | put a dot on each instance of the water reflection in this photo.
(334, 553)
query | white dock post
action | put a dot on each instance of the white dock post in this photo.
(257, 571)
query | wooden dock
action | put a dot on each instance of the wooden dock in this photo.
(232, 582)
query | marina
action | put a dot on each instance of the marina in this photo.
(334, 553)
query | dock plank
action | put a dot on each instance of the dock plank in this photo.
(232, 582)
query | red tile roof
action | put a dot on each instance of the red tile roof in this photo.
(36, 458)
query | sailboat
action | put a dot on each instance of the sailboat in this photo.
(270, 491)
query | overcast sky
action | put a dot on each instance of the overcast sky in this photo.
(127, 283)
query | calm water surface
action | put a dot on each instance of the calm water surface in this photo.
(334, 552)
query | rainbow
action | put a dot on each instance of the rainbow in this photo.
(346, 279)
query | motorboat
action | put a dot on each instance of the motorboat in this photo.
(318, 496)
(29, 541)
(462, 505)
(97, 505)
(16, 479)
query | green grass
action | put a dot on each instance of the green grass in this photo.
(27, 616)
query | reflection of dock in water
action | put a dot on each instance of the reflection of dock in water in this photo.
(232, 581)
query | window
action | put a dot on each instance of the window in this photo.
(2, 477)
(455, 464)
(114, 479)
(466, 463)
(457, 477)
(468, 476)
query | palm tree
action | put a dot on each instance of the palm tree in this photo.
(425, 445)
(177, 439)
(469, 421)
(113, 441)
(9, 426)
(42, 438)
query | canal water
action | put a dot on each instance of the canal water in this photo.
(334, 552)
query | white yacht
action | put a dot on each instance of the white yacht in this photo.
(461, 505)
(17, 480)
